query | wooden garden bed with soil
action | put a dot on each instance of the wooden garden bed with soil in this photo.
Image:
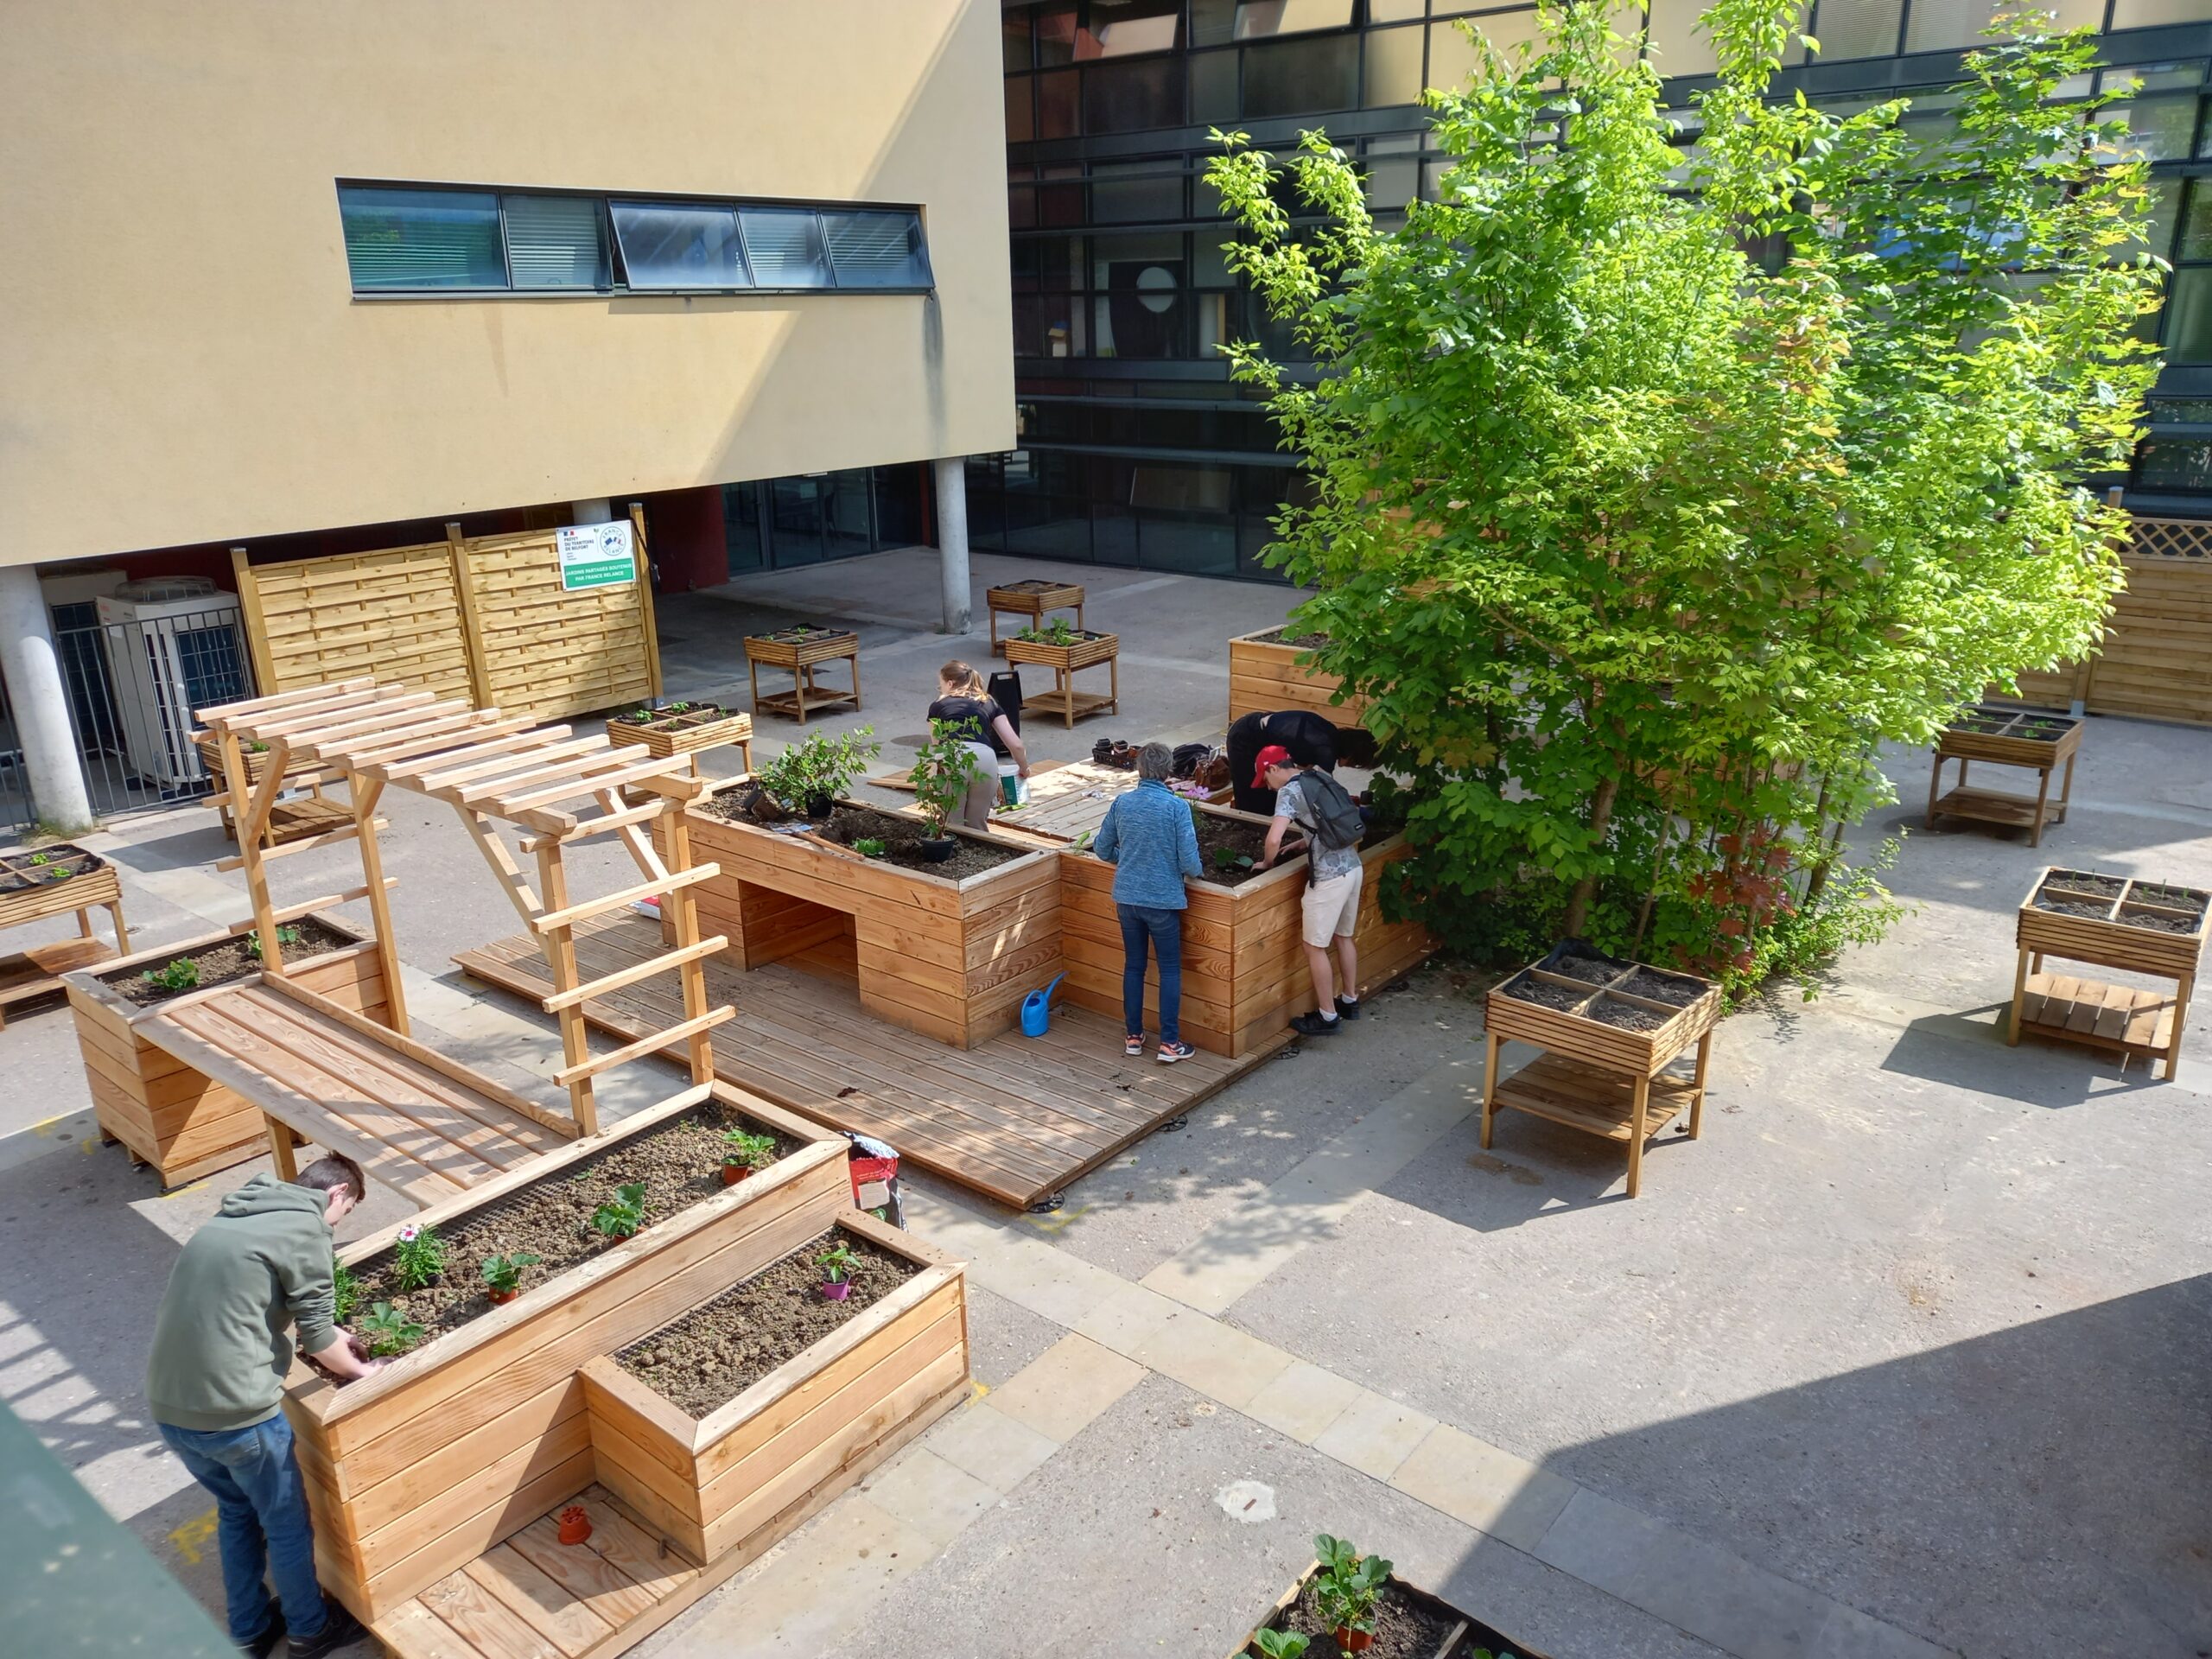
(798, 650)
(167, 1113)
(1035, 598)
(1245, 970)
(679, 728)
(36, 883)
(1273, 670)
(1410, 1624)
(771, 1398)
(1607, 1027)
(416, 1472)
(1065, 652)
(946, 950)
(2034, 739)
(2115, 921)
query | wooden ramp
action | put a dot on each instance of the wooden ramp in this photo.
(1016, 1119)
(412, 1118)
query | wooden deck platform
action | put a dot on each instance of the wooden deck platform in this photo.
(411, 1118)
(1016, 1118)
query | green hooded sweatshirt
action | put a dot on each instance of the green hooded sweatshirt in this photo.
(219, 1353)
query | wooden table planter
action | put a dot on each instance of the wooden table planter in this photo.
(1594, 1075)
(1266, 675)
(1087, 651)
(950, 959)
(742, 1475)
(2033, 738)
(66, 877)
(414, 1474)
(288, 821)
(1245, 970)
(165, 1112)
(1033, 599)
(1464, 1634)
(2115, 921)
(798, 652)
(685, 729)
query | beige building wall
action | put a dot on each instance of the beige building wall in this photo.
(182, 358)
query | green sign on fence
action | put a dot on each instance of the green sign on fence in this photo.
(596, 556)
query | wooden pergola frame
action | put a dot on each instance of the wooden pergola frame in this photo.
(560, 789)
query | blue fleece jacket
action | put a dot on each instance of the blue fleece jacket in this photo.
(1148, 840)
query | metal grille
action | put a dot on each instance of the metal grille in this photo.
(131, 687)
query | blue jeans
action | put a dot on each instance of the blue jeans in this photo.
(261, 1505)
(1164, 928)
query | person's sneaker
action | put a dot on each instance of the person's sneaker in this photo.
(1347, 1008)
(1171, 1052)
(1313, 1025)
(264, 1644)
(341, 1630)
(1132, 1045)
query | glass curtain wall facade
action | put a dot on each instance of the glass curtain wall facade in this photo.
(1136, 447)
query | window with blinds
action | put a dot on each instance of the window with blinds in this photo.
(425, 240)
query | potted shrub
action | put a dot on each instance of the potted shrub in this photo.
(943, 772)
(812, 773)
(503, 1275)
(748, 1154)
(1347, 1587)
(836, 1265)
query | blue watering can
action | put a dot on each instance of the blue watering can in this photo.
(1036, 1009)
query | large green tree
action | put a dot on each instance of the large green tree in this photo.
(1650, 494)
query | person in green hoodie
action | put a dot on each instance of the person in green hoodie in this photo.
(215, 1376)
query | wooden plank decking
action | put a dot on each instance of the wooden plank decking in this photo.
(1066, 799)
(1016, 1118)
(337, 1083)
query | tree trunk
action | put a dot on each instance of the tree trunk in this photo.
(1601, 815)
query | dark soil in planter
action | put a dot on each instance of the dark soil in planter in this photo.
(796, 634)
(1542, 993)
(221, 963)
(1285, 637)
(2188, 899)
(716, 1351)
(1626, 1016)
(1588, 967)
(2080, 882)
(1403, 1628)
(902, 839)
(2043, 731)
(18, 874)
(1031, 585)
(2091, 907)
(1245, 840)
(2156, 921)
(748, 804)
(680, 1162)
(697, 713)
(1675, 990)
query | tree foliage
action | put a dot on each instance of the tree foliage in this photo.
(1639, 544)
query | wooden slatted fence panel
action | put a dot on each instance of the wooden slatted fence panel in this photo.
(394, 614)
(547, 652)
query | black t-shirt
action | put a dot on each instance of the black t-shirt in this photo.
(973, 718)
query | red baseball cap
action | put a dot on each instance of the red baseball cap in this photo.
(1274, 755)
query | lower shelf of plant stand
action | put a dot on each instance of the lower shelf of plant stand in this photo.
(1997, 806)
(38, 971)
(1589, 1098)
(1069, 705)
(2120, 1019)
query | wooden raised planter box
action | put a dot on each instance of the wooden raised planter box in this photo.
(166, 1113)
(950, 959)
(2035, 739)
(1244, 969)
(1087, 651)
(1035, 599)
(805, 1431)
(314, 813)
(1596, 1076)
(799, 654)
(1463, 1636)
(2115, 921)
(416, 1472)
(697, 725)
(30, 892)
(1266, 676)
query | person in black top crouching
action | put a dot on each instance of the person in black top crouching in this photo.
(983, 727)
(1311, 740)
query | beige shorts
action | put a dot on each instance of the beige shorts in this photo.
(1332, 907)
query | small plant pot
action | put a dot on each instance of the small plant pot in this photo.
(733, 1173)
(938, 851)
(501, 1298)
(836, 1293)
(1353, 1641)
(575, 1524)
(819, 806)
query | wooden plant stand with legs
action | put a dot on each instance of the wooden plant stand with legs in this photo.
(799, 655)
(30, 892)
(2115, 921)
(1033, 599)
(1595, 1075)
(2028, 738)
(1086, 652)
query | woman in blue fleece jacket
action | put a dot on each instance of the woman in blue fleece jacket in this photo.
(1149, 840)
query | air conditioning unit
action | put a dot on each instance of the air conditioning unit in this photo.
(174, 645)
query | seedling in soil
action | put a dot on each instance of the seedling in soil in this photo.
(257, 748)
(1280, 1645)
(869, 847)
(285, 935)
(388, 1332)
(180, 976)
(345, 1289)
(418, 1256)
(1055, 632)
(1348, 1585)
(41, 860)
(748, 1150)
(1228, 858)
(836, 1265)
(503, 1273)
(622, 1215)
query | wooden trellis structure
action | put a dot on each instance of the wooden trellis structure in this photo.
(559, 789)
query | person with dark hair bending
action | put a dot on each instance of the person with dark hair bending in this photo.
(972, 713)
(215, 1381)
(1311, 740)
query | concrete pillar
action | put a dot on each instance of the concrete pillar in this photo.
(952, 479)
(41, 708)
(597, 511)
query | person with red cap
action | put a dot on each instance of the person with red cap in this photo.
(1332, 822)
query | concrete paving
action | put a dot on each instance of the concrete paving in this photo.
(1906, 1356)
